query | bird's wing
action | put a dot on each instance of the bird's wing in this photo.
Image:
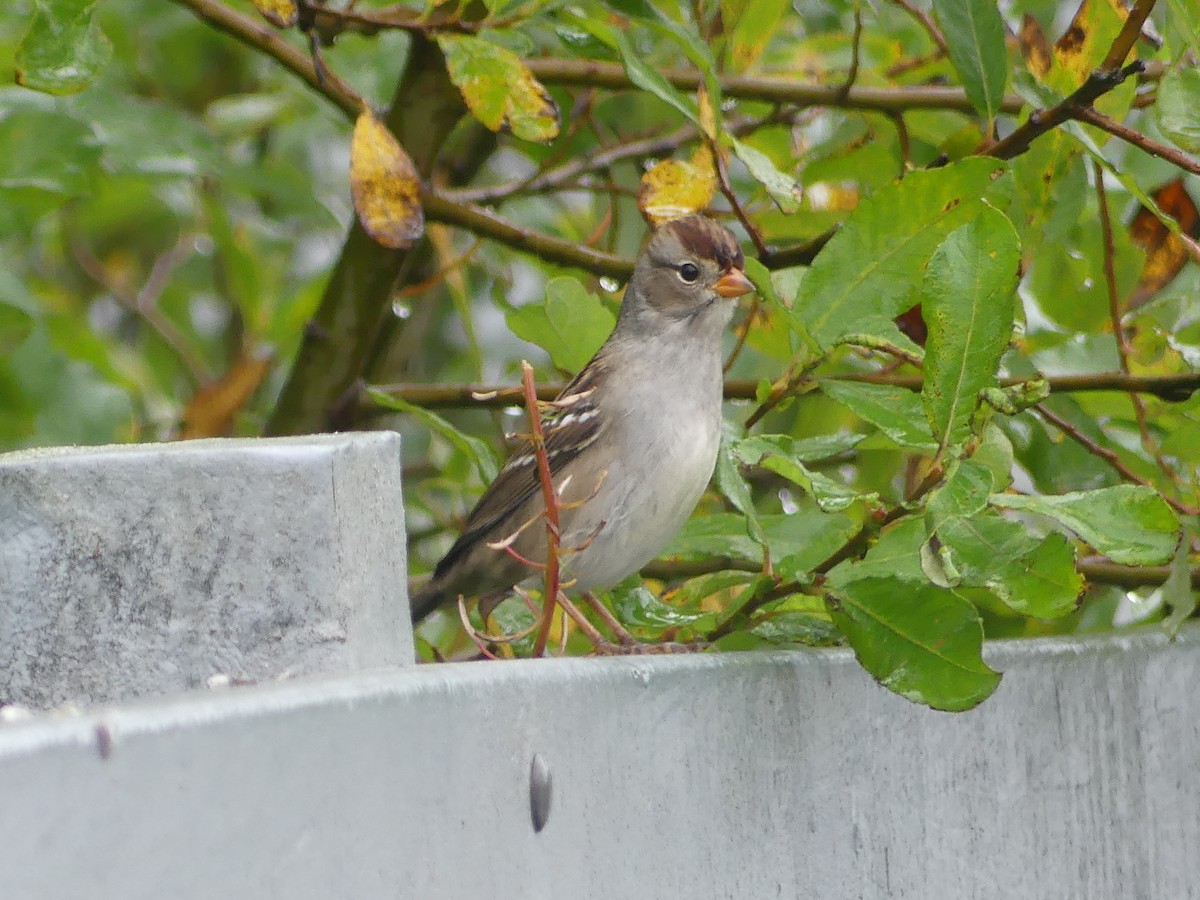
(572, 424)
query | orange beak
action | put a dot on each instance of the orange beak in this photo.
(733, 283)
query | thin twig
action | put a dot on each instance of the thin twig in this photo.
(550, 499)
(1148, 145)
(1124, 349)
(1109, 456)
(144, 305)
(926, 22)
(855, 52)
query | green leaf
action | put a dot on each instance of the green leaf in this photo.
(922, 642)
(732, 485)
(641, 73)
(895, 411)
(570, 326)
(15, 326)
(874, 266)
(810, 537)
(777, 453)
(1128, 523)
(1177, 590)
(498, 89)
(795, 627)
(473, 448)
(63, 50)
(967, 303)
(1035, 577)
(782, 187)
(638, 608)
(975, 36)
(1178, 108)
(896, 554)
(750, 26)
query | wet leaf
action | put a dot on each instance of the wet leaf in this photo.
(1166, 253)
(570, 326)
(211, 410)
(874, 266)
(63, 50)
(1031, 575)
(498, 89)
(384, 184)
(975, 35)
(675, 188)
(920, 641)
(1128, 523)
(777, 453)
(782, 188)
(968, 305)
(280, 13)
(1083, 47)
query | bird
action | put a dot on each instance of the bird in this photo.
(631, 441)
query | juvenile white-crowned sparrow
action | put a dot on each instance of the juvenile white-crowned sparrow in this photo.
(631, 441)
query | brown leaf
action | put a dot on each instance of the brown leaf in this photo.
(280, 13)
(384, 184)
(675, 188)
(1034, 46)
(1165, 251)
(211, 410)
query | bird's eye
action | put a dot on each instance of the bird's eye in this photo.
(688, 272)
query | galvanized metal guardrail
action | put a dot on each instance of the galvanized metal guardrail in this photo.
(741, 775)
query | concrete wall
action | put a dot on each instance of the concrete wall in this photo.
(742, 775)
(140, 570)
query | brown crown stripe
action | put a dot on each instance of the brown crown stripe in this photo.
(708, 240)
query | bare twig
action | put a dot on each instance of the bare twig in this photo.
(1148, 145)
(144, 304)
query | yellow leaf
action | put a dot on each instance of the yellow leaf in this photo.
(498, 88)
(674, 188)
(384, 184)
(280, 13)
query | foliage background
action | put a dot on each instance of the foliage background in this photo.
(179, 257)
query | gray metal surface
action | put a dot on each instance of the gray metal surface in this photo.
(144, 570)
(744, 775)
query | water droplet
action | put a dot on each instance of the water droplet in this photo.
(400, 309)
(609, 284)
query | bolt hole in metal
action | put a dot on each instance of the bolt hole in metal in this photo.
(540, 792)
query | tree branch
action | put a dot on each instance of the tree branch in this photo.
(1174, 388)
(771, 88)
(264, 38)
